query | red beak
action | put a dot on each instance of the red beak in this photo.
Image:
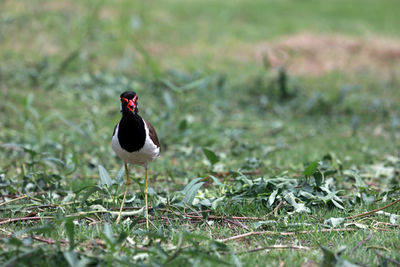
(131, 103)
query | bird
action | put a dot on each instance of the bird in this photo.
(135, 141)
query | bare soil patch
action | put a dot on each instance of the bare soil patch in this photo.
(314, 54)
(303, 54)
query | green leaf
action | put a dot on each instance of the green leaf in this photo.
(319, 177)
(90, 190)
(121, 238)
(189, 185)
(211, 156)
(216, 180)
(329, 258)
(395, 219)
(54, 160)
(336, 203)
(167, 97)
(108, 233)
(70, 229)
(335, 221)
(104, 176)
(217, 202)
(161, 252)
(71, 258)
(367, 199)
(359, 182)
(15, 241)
(74, 261)
(311, 168)
(41, 229)
(191, 190)
(218, 246)
(196, 83)
(183, 125)
(298, 207)
(168, 100)
(272, 197)
(23, 259)
(262, 223)
(71, 163)
(119, 179)
(333, 259)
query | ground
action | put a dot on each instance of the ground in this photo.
(278, 121)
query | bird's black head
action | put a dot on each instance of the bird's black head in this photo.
(129, 103)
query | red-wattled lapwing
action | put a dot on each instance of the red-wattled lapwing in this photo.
(135, 141)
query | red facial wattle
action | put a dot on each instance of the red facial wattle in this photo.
(131, 103)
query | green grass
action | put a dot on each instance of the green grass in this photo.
(63, 66)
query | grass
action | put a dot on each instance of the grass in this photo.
(293, 151)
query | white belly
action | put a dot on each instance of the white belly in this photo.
(141, 157)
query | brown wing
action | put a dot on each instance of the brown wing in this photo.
(152, 133)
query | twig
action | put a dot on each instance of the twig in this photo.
(48, 241)
(12, 200)
(388, 224)
(21, 197)
(222, 174)
(205, 222)
(395, 262)
(286, 233)
(38, 238)
(212, 217)
(274, 247)
(25, 219)
(6, 231)
(372, 211)
(42, 207)
(281, 203)
(201, 211)
(115, 213)
(129, 208)
(237, 223)
(51, 205)
(274, 211)
(380, 229)
(92, 243)
(362, 242)
(378, 247)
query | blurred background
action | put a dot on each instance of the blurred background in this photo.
(276, 83)
(240, 93)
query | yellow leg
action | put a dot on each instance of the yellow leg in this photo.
(127, 183)
(145, 199)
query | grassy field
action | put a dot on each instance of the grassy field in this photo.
(279, 124)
